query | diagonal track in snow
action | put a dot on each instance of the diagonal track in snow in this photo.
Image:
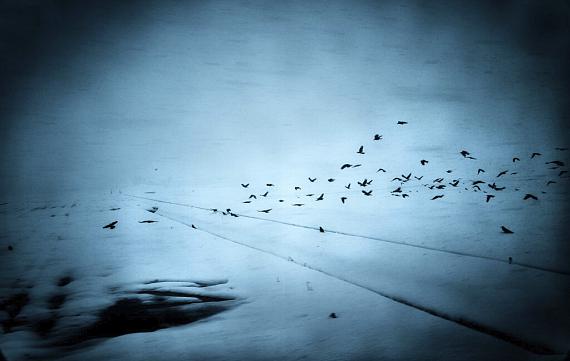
(434, 249)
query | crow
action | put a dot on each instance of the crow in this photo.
(312, 179)
(400, 122)
(369, 193)
(381, 170)
(331, 179)
(489, 196)
(321, 197)
(506, 230)
(438, 180)
(264, 194)
(377, 137)
(502, 173)
(479, 171)
(252, 196)
(342, 199)
(515, 159)
(530, 196)
(111, 225)
(265, 210)
(245, 185)
(347, 186)
(321, 230)
(346, 165)
(557, 162)
(424, 162)
(149, 221)
(436, 197)
(361, 150)
(534, 155)
(310, 194)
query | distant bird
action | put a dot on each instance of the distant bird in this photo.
(346, 165)
(331, 179)
(369, 193)
(506, 230)
(437, 197)
(310, 194)
(10, 247)
(397, 190)
(530, 196)
(513, 173)
(152, 210)
(321, 230)
(454, 183)
(214, 210)
(361, 150)
(297, 188)
(269, 185)
(550, 182)
(480, 171)
(233, 215)
(448, 171)
(464, 153)
(438, 180)
(476, 186)
(502, 173)
(312, 179)
(333, 315)
(381, 170)
(111, 225)
(557, 162)
(510, 260)
(535, 154)
(377, 137)
(265, 210)
(424, 162)
(407, 177)
(264, 194)
(298, 204)
(515, 159)
(494, 186)
(252, 196)
(395, 179)
(400, 122)
(246, 202)
(489, 196)
(281, 201)
(245, 185)
(419, 178)
(148, 221)
(321, 197)
(342, 199)
(193, 226)
(478, 182)
(356, 165)
(404, 195)
(347, 186)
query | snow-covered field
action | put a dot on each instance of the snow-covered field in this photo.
(209, 132)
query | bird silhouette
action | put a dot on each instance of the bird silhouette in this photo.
(321, 229)
(281, 200)
(114, 209)
(480, 171)
(148, 221)
(400, 122)
(502, 173)
(269, 185)
(377, 137)
(321, 197)
(419, 178)
(489, 196)
(331, 179)
(246, 202)
(245, 185)
(464, 153)
(297, 188)
(369, 193)
(342, 199)
(252, 196)
(437, 197)
(264, 194)
(265, 210)
(356, 165)
(448, 171)
(424, 162)
(298, 204)
(111, 225)
(530, 196)
(332, 315)
(438, 180)
(557, 162)
(347, 186)
(506, 230)
(535, 154)
(476, 186)
(381, 170)
(397, 190)
(404, 195)
(454, 183)
(310, 194)
(494, 186)
(312, 179)
(562, 172)
(407, 177)
(394, 179)
(550, 182)
(346, 165)
(516, 159)
(361, 150)
(152, 210)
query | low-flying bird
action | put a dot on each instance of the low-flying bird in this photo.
(346, 165)
(312, 179)
(111, 225)
(361, 150)
(419, 178)
(381, 170)
(264, 194)
(437, 180)
(252, 196)
(331, 179)
(148, 221)
(193, 226)
(557, 162)
(502, 173)
(400, 122)
(265, 210)
(342, 199)
(321, 197)
(489, 196)
(424, 162)
(245, 185)
(438, 196)
(369, 193)
(535, 154)
(347, 186)
(515, 159)
(479, 171)
(377, 137)
(506, 230)
(530, 196)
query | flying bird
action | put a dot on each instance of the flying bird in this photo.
(478, 182)
(265, 210)
(111, 225)
(424, 162)
(377, 137)
(515, 159)
(454, 183)
(148, 221)
(356, 165)
(347, 186)
(369, 193)
(152, 210)
(381, 170)
(310, 194)
(437, 197)
(269, 185)
(464, 153)
(550, 182)
(264, 194)
(394, 179)
(321, 197)
(400, 122)
(480, 171)
(502, 173)
(193, 226)
(561, 149)
(419, 178)
(342, 199)
(252, 196)
(448, 171)
(397, 190)
(535, 154)
(331, 179)
(489, 196)
(361, 150)
(321, 230)
(346, 165)
(506, 230)
(530, 196)
(245, 185)
(312, 179)
(246, 202)
(404, 195)
(557, 162)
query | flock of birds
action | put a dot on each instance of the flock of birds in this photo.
(489, 188)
